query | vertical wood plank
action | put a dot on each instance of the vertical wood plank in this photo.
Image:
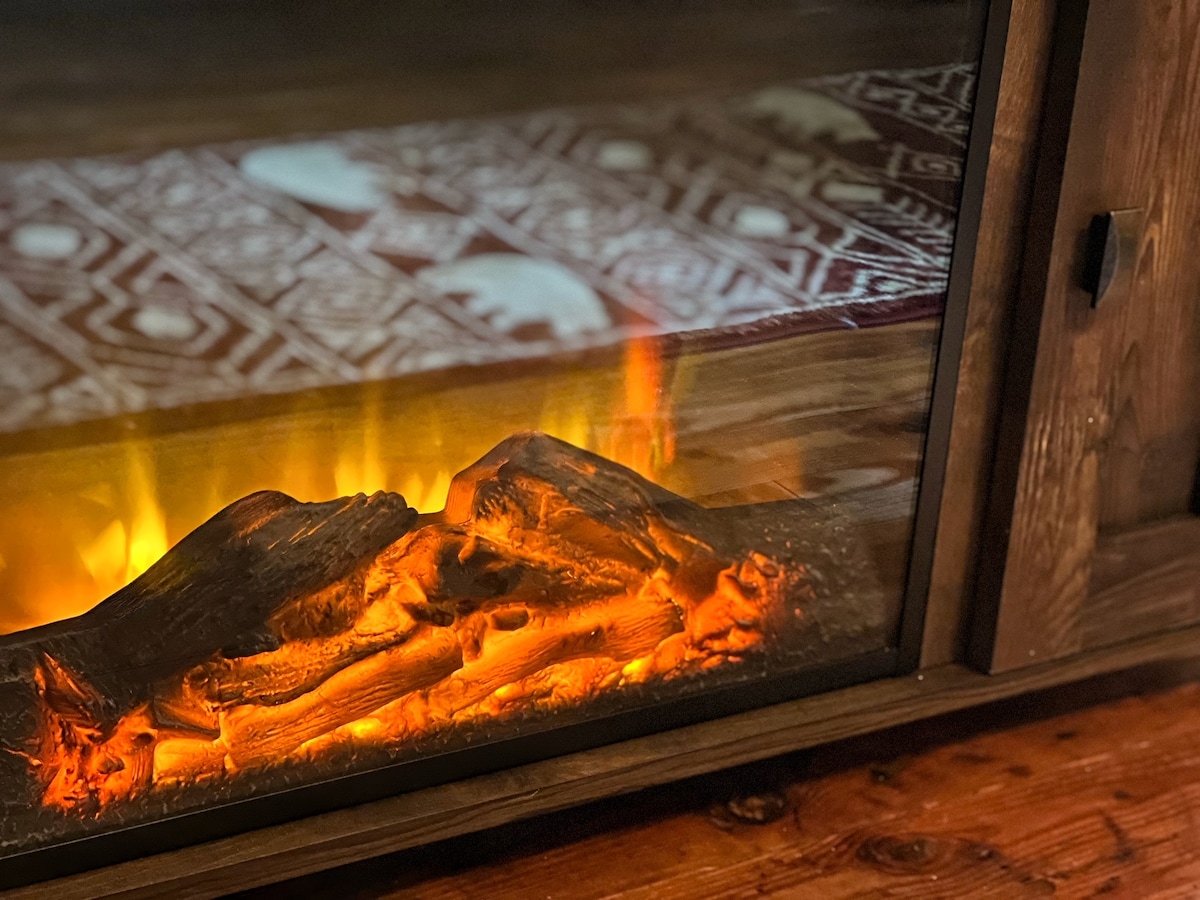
(1153, 441)
(1021, 348)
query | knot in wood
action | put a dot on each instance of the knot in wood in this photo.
(906, 853)
(757, 809)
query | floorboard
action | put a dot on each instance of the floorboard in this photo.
(1083, 791)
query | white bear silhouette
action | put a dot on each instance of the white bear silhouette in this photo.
(806, 115)
(316, 172)
(511, 290)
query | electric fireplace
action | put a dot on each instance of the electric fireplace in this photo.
(355, 460)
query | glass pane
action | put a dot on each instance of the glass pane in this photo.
(629, 311)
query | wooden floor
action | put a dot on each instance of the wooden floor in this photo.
(1091, 790)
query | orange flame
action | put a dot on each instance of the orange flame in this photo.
(635, 428)
(644, 434)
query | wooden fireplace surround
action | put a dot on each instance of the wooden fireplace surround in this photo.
(1067, 537)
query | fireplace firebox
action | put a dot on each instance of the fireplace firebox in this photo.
(430, 439)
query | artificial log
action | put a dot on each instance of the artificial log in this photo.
(279, 633)
(216, 591)
(253, 733)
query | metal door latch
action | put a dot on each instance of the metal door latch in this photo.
(1111, 254)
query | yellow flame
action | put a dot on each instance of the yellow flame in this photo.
(148, 528)
(117, 527)
(359, 466)
(304, 468)
(572, 425)
(133, 541)
(105, 558)
(426, 497)
(635, 427)
(355, 474)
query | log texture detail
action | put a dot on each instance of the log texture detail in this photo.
(282, 635)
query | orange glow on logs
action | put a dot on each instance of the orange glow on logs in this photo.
(84, 770)
(483, 668)
(523, 596)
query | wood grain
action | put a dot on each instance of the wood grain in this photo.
(325, 841)
(1110, 428)
(1007, 196)
(1144, 579)
(1069, 793)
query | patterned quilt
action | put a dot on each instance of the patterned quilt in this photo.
(134, 283)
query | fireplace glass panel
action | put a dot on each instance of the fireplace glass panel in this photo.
(393, 447)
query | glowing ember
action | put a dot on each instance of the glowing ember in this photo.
(552, 578)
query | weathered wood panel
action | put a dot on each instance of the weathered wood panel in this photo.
(1144, 579)
(1110, 426)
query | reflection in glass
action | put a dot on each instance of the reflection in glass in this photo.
(634, 394)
